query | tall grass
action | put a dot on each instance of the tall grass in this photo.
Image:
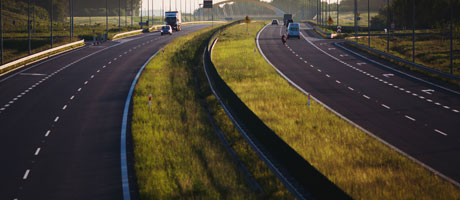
(360, 165)
(177, 154)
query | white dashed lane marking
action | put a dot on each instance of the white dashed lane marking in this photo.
(440, 132)
(37, 151)
(385, 106)
(367, 97)
(26, 174)
(65, 106)
(410, 118)
(47, 133)
(56, 119)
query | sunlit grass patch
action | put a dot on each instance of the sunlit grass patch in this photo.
(360, 165)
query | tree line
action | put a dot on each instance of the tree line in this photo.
(61, 7)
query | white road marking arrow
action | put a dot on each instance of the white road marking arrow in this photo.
(388, 75)
(428, 91)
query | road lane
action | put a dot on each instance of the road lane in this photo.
(74, 117)
(391, 105)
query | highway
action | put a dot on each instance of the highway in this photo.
(60, 121)
(417, 116)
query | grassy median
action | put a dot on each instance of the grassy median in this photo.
(177, 153)
(360, 165)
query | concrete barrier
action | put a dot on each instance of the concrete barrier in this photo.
(29, 59)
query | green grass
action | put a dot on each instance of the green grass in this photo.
(360, 165)
(436, 56)
(177, 153)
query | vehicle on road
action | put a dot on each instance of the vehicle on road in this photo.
(275, 22)
(287, 19)
(173, 18)
(284, 38)
(293, 30)
(166, 29)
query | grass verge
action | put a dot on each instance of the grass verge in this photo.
(177, 154)
(360, 165)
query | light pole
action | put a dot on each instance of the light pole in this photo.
(413, 31)
(119, 15)
(338, 13)
(132, 14)
(356, 20)
(451, 37)
(368, 23)
(388, 26)
(52, 15)
(106, 19)
(28, 27)
(1, 33)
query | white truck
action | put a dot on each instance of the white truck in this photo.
(174, 19)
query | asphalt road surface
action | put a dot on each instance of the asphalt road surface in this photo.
(420, 118)
(60, 120)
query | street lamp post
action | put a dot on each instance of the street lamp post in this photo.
(52, 15)
(28, 27)
(1, 33)
(368, 23)
(106, 18)
(388, 26)
(451, 37)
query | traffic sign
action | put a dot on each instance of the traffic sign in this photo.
(339, 29)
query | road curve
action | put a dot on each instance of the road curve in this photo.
(419, 118)
(60, 121)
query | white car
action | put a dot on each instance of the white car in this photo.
(166, 29)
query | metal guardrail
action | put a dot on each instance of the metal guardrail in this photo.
(397, 59)
(28, 59)
(299, 176)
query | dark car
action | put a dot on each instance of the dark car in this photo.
(275, 22)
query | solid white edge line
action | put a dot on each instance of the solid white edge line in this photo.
(124, 125)
(351, 122)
